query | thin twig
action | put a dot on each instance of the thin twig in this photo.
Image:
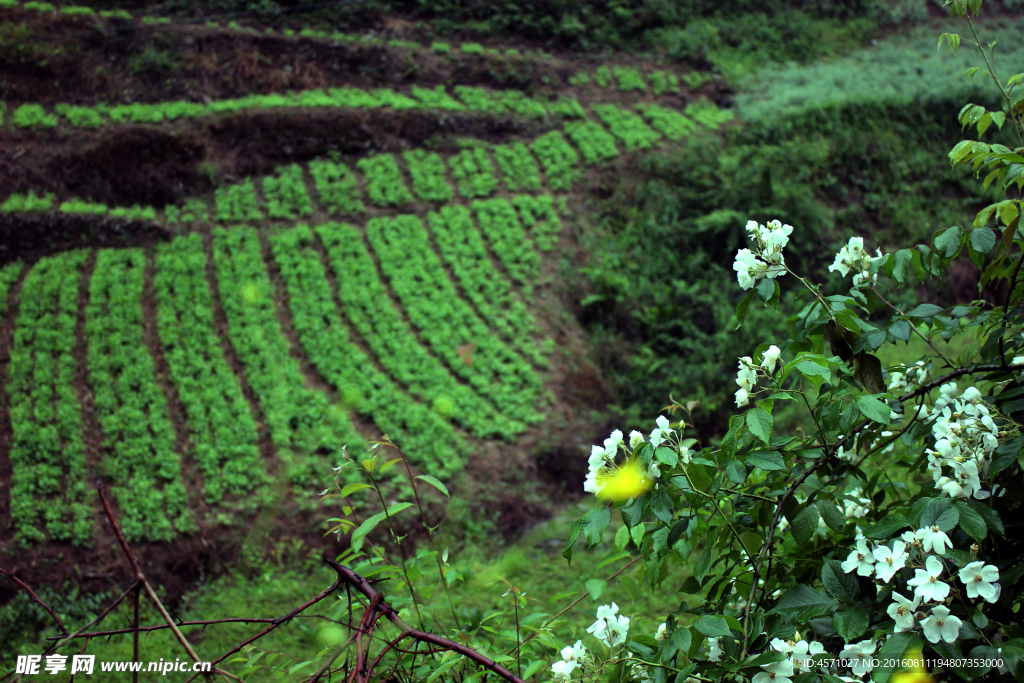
(35, 597)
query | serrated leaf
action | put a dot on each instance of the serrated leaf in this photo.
(736, 472)
(760, 424)
(712, 627)
(982, 240)
(839, 584)
(667, 456)
(900, 330)
(769, 461)
(433, 481)
(805, 524)
(948, 241)
(703, 564)
(621, 538)
(596, 587)
(742, 307)
(831, 514)
(850, 623)
(886, 527)
(971, 522)
(804, 602)
(924, 311)
(940, 512)
(873, 409)
(594, 523)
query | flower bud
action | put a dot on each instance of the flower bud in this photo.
(974, 551)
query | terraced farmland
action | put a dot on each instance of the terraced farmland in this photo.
(306, 305)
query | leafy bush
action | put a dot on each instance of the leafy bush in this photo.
(441, 48)
(78, 11)
(83, 206)
(663, 82)
(594, 142)
(436, 98)
(79, 117)
(669, 122)
(707, 114)
(472, 48)
(558, 158)
(22, 203)
(35, 6)
(501, 227)
(134, 213)
(518, 168)
(473, 173)
(539, 216)
(629, 78)
(286, 194)
(336, 187)
(626, 126)
(567, 108)
(384, 183)
(33, 116)
(580, 78)
(237, 203)
(603, 76)
(427, 171)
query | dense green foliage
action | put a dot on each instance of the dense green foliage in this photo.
(139, 459)
(49, 485)
(221, 428)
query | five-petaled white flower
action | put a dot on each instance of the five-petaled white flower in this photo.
(888, 562)
(635, 439)
(776, 672)
(804, 652)
(861, 655)
(714, 652)
(934, 540)
(926, 582)
(902, 611)
(748, 268)
(742, 398)
(981, 579)
(860, 559)
(562, 670)
(941, 625)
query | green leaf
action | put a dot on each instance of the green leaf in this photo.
(667, 456)
(892, 654)
(760, 424)
(703, 564)
(924, 311)
(1005, 454)
(983, 239)
(900, 330)
(435, 483)
(873, 409)
(811, 369)
(371, 523)
(766, 460)
(742, 307)
(637, 534)
(736, 472)
(712, 627)
(850, 623)
(886, 527)
(900, 262)
(622, 538)
(574, 534)
(594, 523)
(349, 489)
(831, 514)
(805, 525)
(971, 521)
(596, 587)
(991, 517)
(679, 641)
(839, 584)
(940, 511)
(804, 602)
(948, 241)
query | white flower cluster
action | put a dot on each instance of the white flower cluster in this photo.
(965, 436)
(882, 561)
(746, 377)
(610, 627)
(572, 658)
(853, 258)
(908, 379)
(602, 458)
(799, 654)
(766, 259)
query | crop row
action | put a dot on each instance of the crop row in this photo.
(559, 160)
(286, 194)
(8, 276)
(337, 187)
(446, 322)
(465, 252)
(512, 246)
(518, 167)
(237, 203)
(427, 171)
(367, 304)
(222, 429)
(539, 216)
(49, 489)
(594, 142)
(384, 183)
(300, 419)
(668, 122)
(423, 434)
(500, 101)
(473, 173)
(138, 456)
(627, 126)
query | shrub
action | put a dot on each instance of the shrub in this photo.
(441, 48)
(33, 116)
(472, 48)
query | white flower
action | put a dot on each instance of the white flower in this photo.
(746, 377)
(616, 631)
(607, 611)
(662, 632)
(888, 562)
(902, 612)
(661, 432)
(897, 381)
(981, 579)
(612, 443)
(965, 482)
(748, 268)
(776, 672)
(926, 582)
(635, 439)
(862, 655)
(771, 357)
(860, 559)
(941, 625)
(562, 670)
(715, 652)
(781, 645)
(1017, 360)
(742, 398)
(934, 540)
(804, 652)
(684, 455)
(912, 538)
